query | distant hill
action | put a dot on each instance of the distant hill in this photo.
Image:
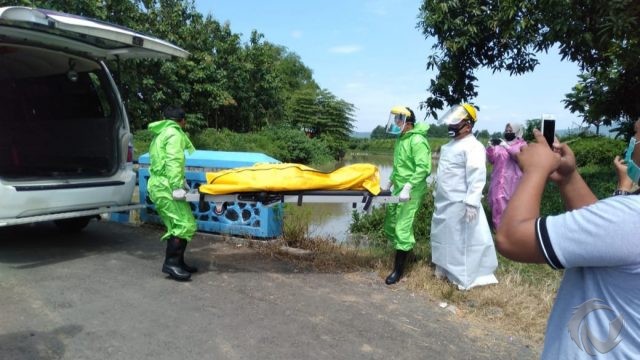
(361, 134)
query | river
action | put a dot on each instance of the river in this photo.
(333, 220)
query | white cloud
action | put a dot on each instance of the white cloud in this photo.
(296, 34)
(345, 49)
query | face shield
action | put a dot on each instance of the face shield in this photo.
(454, 116)
(396, 123)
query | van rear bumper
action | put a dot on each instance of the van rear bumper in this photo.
(68, 186)
(68, 215)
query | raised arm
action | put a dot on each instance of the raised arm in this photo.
(516, 235)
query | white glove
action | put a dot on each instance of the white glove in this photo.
(471, 213)
(405, 193)
(387, 186)
(504, 144)
(185, 185)
(179, 194)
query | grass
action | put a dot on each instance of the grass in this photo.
(518, 306)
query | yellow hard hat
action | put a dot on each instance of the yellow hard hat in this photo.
(458, 113)
(399, 109)
(471, 110)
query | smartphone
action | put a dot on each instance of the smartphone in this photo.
(549, 129)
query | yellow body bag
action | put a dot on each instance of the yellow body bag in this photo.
(291, 177)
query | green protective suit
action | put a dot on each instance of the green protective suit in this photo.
(167, 174)
(411, 164)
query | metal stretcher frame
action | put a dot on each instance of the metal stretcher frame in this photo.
(299, 197)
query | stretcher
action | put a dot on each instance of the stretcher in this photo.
(355, 197)
(271, 184)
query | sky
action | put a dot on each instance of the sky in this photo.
(371, 54)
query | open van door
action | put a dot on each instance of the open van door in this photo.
(65, 141)
(94, 38)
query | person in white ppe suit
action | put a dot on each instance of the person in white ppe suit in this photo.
(461, 242)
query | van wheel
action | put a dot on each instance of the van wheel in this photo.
(73, 225)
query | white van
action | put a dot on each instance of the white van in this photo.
(65, 143)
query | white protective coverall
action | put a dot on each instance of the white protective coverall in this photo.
(463, 251)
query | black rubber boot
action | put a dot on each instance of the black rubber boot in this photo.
(398, 267)
(171, 264)
(191, 269)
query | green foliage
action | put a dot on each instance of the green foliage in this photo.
(370, 224)
(385, 146)
(595, 150)
(224, 84)
(379, 132)
(294, 146)
(373, 224)
(473, 34)
(528, 128)
(436, 143)
(599, 35)
(358, 145)
(282, 143)
(141, 141)
(438, 131)
(320, 114)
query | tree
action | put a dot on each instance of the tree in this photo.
(224, 84)
(481, 134)
(438, 131)
(380, 133)
(601, 36)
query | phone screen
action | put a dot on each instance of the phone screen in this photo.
(549, 130)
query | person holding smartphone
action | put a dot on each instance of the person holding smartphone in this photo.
(505, 174)
(595, 242)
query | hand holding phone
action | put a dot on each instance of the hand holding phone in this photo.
(549, 129)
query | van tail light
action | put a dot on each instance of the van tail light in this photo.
(130, 154)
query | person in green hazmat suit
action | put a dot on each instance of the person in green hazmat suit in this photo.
(411, 167)
(166, 187)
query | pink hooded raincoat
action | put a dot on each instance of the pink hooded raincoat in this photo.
(505, 175)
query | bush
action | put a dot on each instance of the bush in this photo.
(373, 226)
(141, 141)
(595, 150)
(284, 144)
(293, 146)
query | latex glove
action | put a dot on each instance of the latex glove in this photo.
(179, 194)
(405, 193)
(185, 185)
(471, 213)
(504, 144)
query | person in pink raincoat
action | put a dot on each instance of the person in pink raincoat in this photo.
(506, 173)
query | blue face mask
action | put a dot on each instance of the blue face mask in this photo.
(632, 168)
(394, 129)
